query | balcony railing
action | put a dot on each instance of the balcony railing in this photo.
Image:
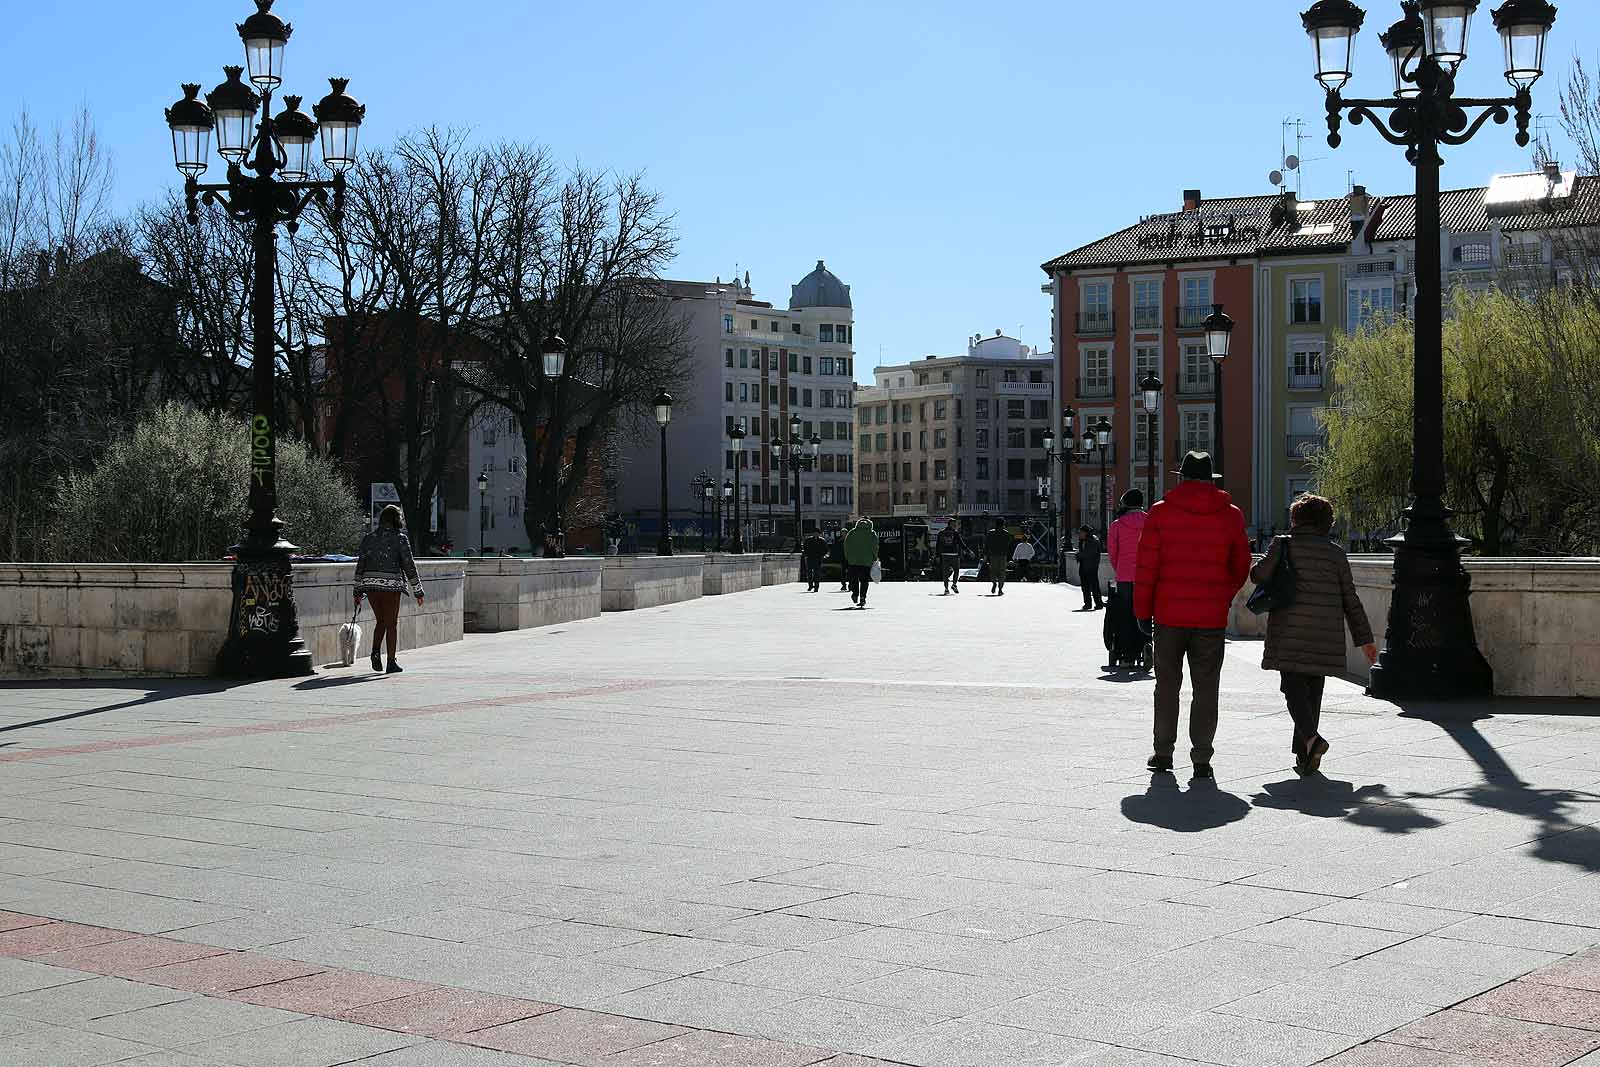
(1301, 445)
(1146, 318)
(1206, 386)
(1306, 381)
(1181, 447)
(1191, 317)
(1097, 323)
(1096, 388)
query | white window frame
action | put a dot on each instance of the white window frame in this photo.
(1199, 411)
(1352, 323)
(1106, 352)
(1209, 277)
(1322, 299)
(1134, 282)
(1301, 345)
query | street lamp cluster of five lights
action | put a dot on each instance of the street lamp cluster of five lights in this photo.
(230, 110)
(1436, 29)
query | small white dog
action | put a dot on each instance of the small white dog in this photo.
(349, 640)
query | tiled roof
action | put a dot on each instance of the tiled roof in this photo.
(1258, 227)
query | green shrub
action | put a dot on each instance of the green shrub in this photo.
(174, 489)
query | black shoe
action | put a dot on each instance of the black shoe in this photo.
(1158, 763)
(377, 662)
(1313, 758)
(1203, 771)
(394, 668)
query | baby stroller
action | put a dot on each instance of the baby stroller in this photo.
(1128, 645)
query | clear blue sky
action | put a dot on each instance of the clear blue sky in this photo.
(934, 153)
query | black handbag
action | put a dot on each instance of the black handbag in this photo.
(1278, 590)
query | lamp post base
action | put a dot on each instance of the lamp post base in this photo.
(1430, 650)
(263, 628)
(664, 546)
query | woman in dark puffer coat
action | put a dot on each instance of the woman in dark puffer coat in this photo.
(1305, 641)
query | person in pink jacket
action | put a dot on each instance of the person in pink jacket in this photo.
(1122, 545)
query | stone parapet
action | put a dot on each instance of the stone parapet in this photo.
(780, 568)
(1537, 620)
(630, 582)
(169, 620)
(729, 573)
(519, 594)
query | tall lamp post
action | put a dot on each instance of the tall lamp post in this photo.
(263, 638)
(737, 436)
(1430, 649)
(483, 508)
(1102, 439)
(702, 485)
(663, 405)
(553, 353)
(1150, 392)
(722, 510)
(1219, 335)
(1064, 457)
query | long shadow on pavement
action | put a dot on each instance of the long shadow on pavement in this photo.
(1326, 798)
(171, 689)
(1560, 838)
(1202, 807)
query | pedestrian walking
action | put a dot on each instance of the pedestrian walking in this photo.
(1305, 637)
(1193, 557)
(997, 548)
(812, 552)
(384, 570)
(860, 553)
(1088, 556)
(1022, 556)
(1122, 545)
(950, 547)
(836, 555)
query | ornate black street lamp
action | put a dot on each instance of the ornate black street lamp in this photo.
(1430, 650)
(1219, 335)
(703, 487)
(1150, 392)
(791, 456)
(722, 510)
(263, 630)
(663, 405)
(1102, 440)
(737, 436)
(553, 357)
(483, 508)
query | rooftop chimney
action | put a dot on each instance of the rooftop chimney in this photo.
(1552, 171)
(1191, 200)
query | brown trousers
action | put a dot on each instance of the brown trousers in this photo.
(386, 612)
(1204, 650)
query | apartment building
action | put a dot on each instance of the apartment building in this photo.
(755, 365)
(1294, 276)
(957, 436)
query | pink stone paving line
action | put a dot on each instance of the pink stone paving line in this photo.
(288, 726)
(532, 1028)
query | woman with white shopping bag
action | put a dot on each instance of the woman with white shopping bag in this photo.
(861, 557)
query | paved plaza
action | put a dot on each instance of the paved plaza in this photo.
(765, 830)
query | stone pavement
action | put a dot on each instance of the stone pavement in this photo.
(760, 830)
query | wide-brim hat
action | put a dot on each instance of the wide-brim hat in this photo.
(1197, 466)
(1086, 528)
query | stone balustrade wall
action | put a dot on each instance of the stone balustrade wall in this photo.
(780, 568)
(729, 573)
(631, 582)
(1537, 620)
(165, 620)
(507, 593)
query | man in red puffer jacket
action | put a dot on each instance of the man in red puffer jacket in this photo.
(1193, 558)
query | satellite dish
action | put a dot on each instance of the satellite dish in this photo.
(1291, 163)
(1276, 177)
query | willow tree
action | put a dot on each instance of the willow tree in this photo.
(1520, 449)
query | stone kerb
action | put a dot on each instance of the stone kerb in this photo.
(322, 593)
(631, 582)
(1537, 620)
(504, 593)
(780, 568)
(729, 573)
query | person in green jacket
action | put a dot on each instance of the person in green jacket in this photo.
(860, 553)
